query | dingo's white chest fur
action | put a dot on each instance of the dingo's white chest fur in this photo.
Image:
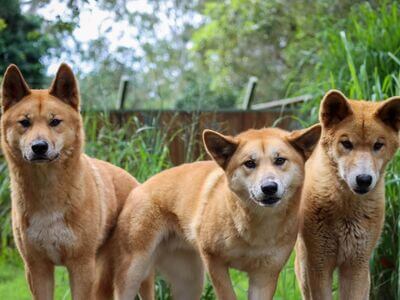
(48, 231)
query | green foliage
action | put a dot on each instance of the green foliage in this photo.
(140, 149)
(5, 208)
(273, 40)
(3, 24)
(364, 51)
(22, 42)
(197, 94)
(100, 89)
(230, 43)
(385, 264)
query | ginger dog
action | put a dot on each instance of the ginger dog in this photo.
(342, 207)
(238, 211)
(64, 203)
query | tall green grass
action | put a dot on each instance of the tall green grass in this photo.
(141, 149)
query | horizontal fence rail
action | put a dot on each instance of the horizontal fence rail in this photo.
(281, 102)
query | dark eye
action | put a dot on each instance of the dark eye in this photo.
(55, 122)
(378, 146)
(347, 145)
(251, 164)
(25, 123)
(279, 161)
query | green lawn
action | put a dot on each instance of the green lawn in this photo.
(287, 286)
(13, 285)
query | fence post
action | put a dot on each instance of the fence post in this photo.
(122, 91)
(250, 91)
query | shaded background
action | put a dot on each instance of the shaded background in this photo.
(185, 54)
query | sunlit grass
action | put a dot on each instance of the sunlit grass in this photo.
(13, 285)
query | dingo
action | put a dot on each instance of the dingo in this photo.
(342, 207)
(64, 203)
(238, 211)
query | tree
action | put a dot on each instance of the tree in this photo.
(272, 40)
(23, 42)
(200, 53)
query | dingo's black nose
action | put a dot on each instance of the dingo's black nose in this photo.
(364, 180)
(269, 188)
(40, 147)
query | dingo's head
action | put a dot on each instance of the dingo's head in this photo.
(40, 126)
(359, 137)
(264, 166)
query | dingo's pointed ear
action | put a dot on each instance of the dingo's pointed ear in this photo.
(334, 108)
(305, 140)
(219, 147)
(14, 87)
(65, 87)
(389, 112)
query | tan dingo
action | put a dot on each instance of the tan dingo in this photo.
(64, 203)
(342, 207)
(238, 211)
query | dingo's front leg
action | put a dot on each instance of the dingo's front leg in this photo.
(219, 275)
(130, 273)
(82, 278)
(40, 276)
(354, 281)
(262, 284)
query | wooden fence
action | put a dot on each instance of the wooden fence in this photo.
(185, 128)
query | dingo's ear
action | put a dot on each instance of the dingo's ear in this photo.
(305, 140)
(65, 86)
(14, 87)
(219, 147)
(334, 108)
(389, 112)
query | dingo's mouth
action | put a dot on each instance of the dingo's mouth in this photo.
(266, 201)
(269, 201)
(41, 159)
(360, 191)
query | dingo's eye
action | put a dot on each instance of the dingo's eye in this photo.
(347, 145)
(378, 146)
(25, 123)
(55, 122)
(251, 164)
(279, 161)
